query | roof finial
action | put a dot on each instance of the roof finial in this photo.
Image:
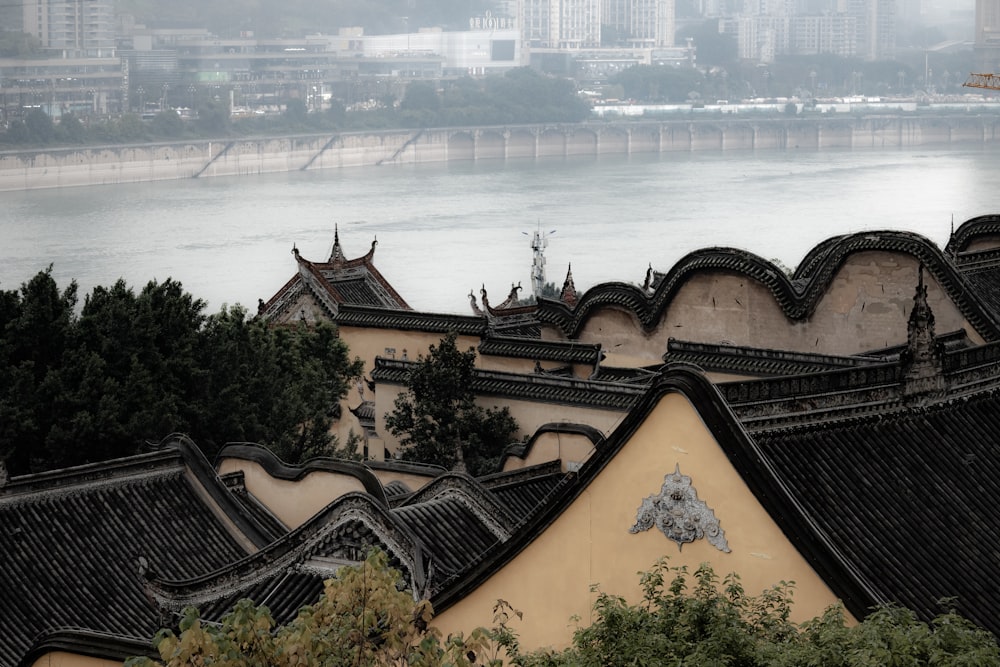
(336, 255)
(922, 358)
(568, 295)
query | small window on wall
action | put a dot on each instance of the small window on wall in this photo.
(502, 49)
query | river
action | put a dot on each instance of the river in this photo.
(446, 229)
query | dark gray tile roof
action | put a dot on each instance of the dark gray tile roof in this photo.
(450, 532)
(408, 320)
(567, 352)
(545, 388)
(755, 361)
(908, 499)
(523, 497)
(71, 543)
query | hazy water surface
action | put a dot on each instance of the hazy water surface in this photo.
(444, 230)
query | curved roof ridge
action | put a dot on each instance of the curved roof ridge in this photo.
(786, 511)
(466, 490)
(278, 469)
(970, 229)
(297, 546)
(797, 299)
(90, 643)
(522, 450)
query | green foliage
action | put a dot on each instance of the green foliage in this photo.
(715, 49)
(708, 622)
(16, 44)
(649, 83)
(437, 419)
(132, 368)
(41, 129)
(167, 124)
(364, 618)
(70, 130)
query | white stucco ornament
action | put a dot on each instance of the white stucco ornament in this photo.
(679, 514)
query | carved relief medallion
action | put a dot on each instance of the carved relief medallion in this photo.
(679, 513)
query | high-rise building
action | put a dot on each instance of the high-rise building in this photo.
(72, 28)
(560, 24)
(987, 44)
(641, 23)
(826, 33)
(576, 24)
(876, 26)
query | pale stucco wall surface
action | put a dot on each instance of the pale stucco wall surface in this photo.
(590, 542)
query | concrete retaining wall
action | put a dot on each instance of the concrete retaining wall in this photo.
(50, 168)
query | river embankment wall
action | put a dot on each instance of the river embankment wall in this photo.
(106, 165)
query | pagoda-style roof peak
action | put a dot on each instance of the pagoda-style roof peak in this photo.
(336, 253)
(325, 286)
(568, 294)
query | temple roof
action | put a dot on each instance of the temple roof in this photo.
(756, 361)
(76, 545)
(544, 388)
(351, 315)
(432, 536)
(975, 248)
(331, 284)
(797, 296)
(542, 350)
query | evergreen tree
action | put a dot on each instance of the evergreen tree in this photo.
(133, 368)
(437, 419)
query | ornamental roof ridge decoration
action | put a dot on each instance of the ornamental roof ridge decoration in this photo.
(569, 295)
(970, 229)
(797, 296)
(680, 514)
(336, 282)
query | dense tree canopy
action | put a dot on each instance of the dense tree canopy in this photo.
(521, 95)
(131, 368)
(437, 419)
(363, 618)
(707, 622)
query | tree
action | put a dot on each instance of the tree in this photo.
(35, 326)
(41, 129)
(70, 129)
(437, 419)
(167, 123)
(132, 368)
(363, 618)
(712, 622)
(280, 386)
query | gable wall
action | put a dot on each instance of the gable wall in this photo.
(305, 304)
(294, 502)
(590, 542)
(864, 308)
(64, 659)
(981, 243)
(570, 448)
(530, 415)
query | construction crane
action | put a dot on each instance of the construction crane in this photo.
(987, 81)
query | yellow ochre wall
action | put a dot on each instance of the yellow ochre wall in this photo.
(569, 448)
(294, 502)
(865, 307)
(63, 659)
(590, 542)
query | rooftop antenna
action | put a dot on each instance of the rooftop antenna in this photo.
(539, 241)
